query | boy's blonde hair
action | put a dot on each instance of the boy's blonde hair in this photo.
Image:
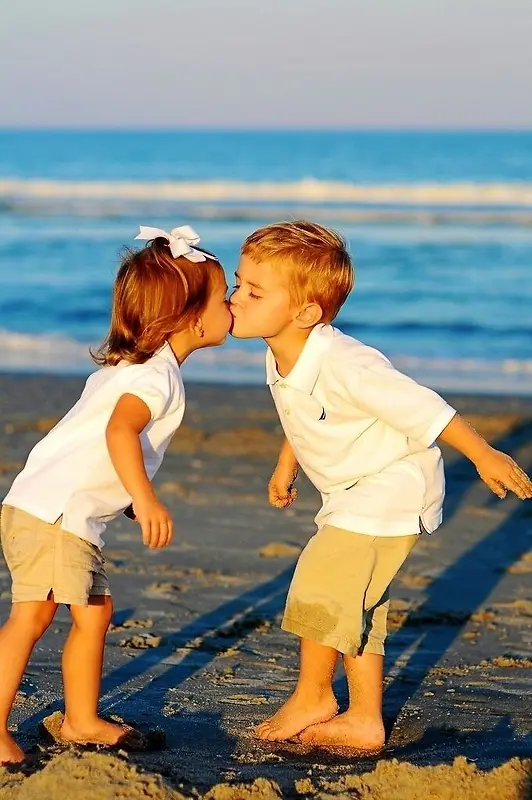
(314, 259)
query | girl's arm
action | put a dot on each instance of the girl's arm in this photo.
(497, 470)
(128, 420)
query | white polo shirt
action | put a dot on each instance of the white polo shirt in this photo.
(69, 473)
(364, 434)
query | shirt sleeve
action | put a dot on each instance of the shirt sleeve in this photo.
(387, 394)
(156, 388)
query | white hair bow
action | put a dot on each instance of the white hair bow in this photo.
(180, 241)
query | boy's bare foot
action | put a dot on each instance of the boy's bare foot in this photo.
(297, 714)
(366, 735)
(98, 732)
(10, 752)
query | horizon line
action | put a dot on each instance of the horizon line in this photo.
(218, 129)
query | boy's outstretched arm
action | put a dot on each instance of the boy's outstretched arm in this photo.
(280, 488)
(498, 470)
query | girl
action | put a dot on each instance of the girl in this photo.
(169, 299)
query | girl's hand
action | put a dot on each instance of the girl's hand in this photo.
(502, 474)
(281, 493)
(155, 521)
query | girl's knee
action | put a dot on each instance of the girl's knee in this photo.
(95, 616)
(34, 617)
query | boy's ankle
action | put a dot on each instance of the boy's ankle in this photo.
(364, 716)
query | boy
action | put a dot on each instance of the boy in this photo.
(365, 436)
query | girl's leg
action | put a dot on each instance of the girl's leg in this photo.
(25, 626)
(82, 673)
(313, 699)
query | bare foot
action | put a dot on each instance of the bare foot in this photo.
(98, 732)
(10, 752)
(296, 714)
(365, 735)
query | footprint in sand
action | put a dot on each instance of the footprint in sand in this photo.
(164, 589)
(142, 641)
(131, 623)
(245, 699)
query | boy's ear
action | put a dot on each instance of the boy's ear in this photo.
(309, 315)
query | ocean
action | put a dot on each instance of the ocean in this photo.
(439, 224)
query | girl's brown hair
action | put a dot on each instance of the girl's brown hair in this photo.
(154, 296)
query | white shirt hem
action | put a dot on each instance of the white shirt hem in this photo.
(373, 526)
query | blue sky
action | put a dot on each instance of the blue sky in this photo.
(266, 63)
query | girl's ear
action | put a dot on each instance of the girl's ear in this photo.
(198, 329)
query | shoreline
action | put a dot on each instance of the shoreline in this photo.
(461, 397)
(196, 648)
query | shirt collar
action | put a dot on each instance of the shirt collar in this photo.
(166, 352)
(306, 370)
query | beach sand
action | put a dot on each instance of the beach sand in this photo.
(196, 651)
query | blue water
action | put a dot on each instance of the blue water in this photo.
(440, 226)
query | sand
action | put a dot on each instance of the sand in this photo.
(95, 776)
(195, 648)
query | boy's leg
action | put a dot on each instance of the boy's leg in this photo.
(313, 699)
(361, 726)
(82, 672)
(324, 608)
(25, 626)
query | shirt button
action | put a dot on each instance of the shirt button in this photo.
(282, 385)
(287, 412)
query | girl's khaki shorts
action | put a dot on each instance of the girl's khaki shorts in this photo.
(43, 560)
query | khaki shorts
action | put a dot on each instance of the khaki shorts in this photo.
(42, 558)
(339, 593)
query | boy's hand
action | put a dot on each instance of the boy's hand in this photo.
(155, 521)
(501, 473)
(281, 493)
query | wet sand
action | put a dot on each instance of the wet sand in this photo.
(195, 649)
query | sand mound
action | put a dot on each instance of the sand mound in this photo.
(96, 776)
(86, 776)
(392, 780)
(261, 789)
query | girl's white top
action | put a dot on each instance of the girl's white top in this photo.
(69, 473)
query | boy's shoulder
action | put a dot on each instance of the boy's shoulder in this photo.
(345, 353)
(330, 357)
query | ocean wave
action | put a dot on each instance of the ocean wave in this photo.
(433, 327)
(426, 218)
(491, 195)
(22, 351)
(237, 365)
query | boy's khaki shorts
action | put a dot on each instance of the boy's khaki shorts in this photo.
(43, 558)
(339, 593)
